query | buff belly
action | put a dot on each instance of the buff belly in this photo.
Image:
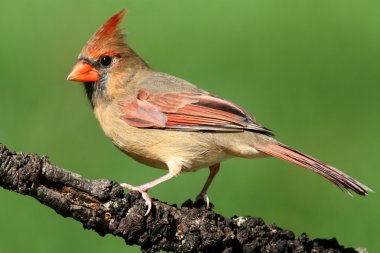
(193, 150)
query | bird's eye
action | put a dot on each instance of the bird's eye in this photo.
(105, 61)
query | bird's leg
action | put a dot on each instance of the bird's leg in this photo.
(174, 170)
(214, 169)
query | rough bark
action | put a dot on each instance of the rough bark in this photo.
(102, 205)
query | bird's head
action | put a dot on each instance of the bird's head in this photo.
(106, 60)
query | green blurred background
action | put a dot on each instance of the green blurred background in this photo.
(309, 70)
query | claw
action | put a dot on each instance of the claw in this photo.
(204, 197)
(148, 202)
(144, 194)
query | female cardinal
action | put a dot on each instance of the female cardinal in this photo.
(168, 123)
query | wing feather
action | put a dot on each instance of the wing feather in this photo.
(188, 111)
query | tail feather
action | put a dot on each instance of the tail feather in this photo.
(337, 177)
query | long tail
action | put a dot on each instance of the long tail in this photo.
(337, 177)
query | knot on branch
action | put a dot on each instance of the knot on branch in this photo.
(19, 171)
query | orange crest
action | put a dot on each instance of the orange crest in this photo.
(107, 39)
(111, 25)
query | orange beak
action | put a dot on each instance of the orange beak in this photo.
(83, 72)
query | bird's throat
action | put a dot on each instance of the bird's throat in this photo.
(95, 92)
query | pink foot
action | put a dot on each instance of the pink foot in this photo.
(144, 193)
(143, 189)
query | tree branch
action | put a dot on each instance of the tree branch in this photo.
(103, 206)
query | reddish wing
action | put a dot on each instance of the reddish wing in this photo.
(188, 111)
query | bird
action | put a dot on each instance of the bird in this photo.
(168, 123)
